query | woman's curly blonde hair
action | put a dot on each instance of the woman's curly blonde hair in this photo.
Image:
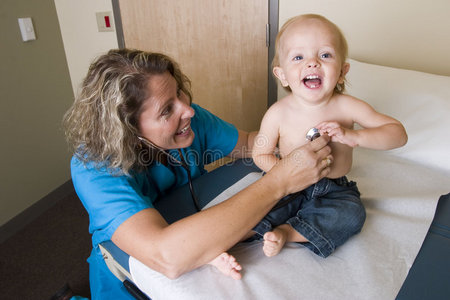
(102, 124)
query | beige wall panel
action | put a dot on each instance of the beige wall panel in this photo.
(220, 45)
(410, 34)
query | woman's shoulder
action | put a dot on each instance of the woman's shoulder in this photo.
(91, 172)
(209, 120)
(82, 164)
(211, 132)
(93, 182)
(201, 113)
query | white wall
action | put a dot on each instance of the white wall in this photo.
(411, 34)
(81, 38)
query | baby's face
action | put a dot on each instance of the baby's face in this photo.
(310, 60)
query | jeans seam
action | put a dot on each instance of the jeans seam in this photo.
(266, 226)
(319, 192)
(314, 238)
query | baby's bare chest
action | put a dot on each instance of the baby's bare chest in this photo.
(295, 126)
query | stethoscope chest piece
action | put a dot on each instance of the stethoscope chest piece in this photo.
(312, 134)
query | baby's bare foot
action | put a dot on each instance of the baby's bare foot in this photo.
(274, 242)
(228, 265)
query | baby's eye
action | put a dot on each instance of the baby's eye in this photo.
(298, 57)
(325, 55)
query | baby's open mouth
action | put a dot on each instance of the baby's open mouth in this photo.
(312, 81)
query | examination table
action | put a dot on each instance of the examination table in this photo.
(428, 278)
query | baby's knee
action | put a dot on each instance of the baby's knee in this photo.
(360, 216)
(352, 217)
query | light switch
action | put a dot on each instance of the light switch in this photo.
(26, 29)
(104, 21)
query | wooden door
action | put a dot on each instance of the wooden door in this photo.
(219, 44)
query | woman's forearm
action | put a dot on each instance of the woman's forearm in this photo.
(194, 241)
(218, 228)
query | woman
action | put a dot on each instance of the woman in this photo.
(131, 100)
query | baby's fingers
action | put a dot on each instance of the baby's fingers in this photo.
(336, 132)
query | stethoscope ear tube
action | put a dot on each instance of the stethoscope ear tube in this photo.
(191, 185)
(181, 162)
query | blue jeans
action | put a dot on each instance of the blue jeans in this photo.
(327, 214)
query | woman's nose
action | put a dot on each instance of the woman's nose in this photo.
(187, 111)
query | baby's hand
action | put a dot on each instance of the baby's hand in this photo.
(338, 133)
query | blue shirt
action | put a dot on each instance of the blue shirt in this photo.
(111, 199)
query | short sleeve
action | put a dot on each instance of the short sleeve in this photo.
(109, 199)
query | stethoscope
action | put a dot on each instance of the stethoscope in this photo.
(181, 162)
(312, 134)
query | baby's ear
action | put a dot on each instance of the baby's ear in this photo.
(278, 72)
(344, 70)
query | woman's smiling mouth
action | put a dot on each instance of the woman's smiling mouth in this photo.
(184, 130)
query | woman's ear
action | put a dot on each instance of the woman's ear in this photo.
(278, 72)
(344, 70)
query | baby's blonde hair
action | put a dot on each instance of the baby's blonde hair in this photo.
(342, 50)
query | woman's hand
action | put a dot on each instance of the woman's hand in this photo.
(303, 166)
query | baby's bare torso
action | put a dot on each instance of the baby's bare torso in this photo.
(297, 122)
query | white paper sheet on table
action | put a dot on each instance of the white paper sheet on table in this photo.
(399, 188)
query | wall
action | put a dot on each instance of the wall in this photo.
(82, 41)
(35, 91)
(36, 88)
(410, 34)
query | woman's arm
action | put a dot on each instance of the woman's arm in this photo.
(194, 241)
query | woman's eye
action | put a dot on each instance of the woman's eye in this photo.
(325, 55)
(166, 111)
(298, 57)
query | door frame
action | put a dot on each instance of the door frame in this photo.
(272, 30)
(272, 93)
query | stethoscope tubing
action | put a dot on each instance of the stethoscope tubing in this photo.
(181, 163)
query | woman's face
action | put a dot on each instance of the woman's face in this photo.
(166, 114)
